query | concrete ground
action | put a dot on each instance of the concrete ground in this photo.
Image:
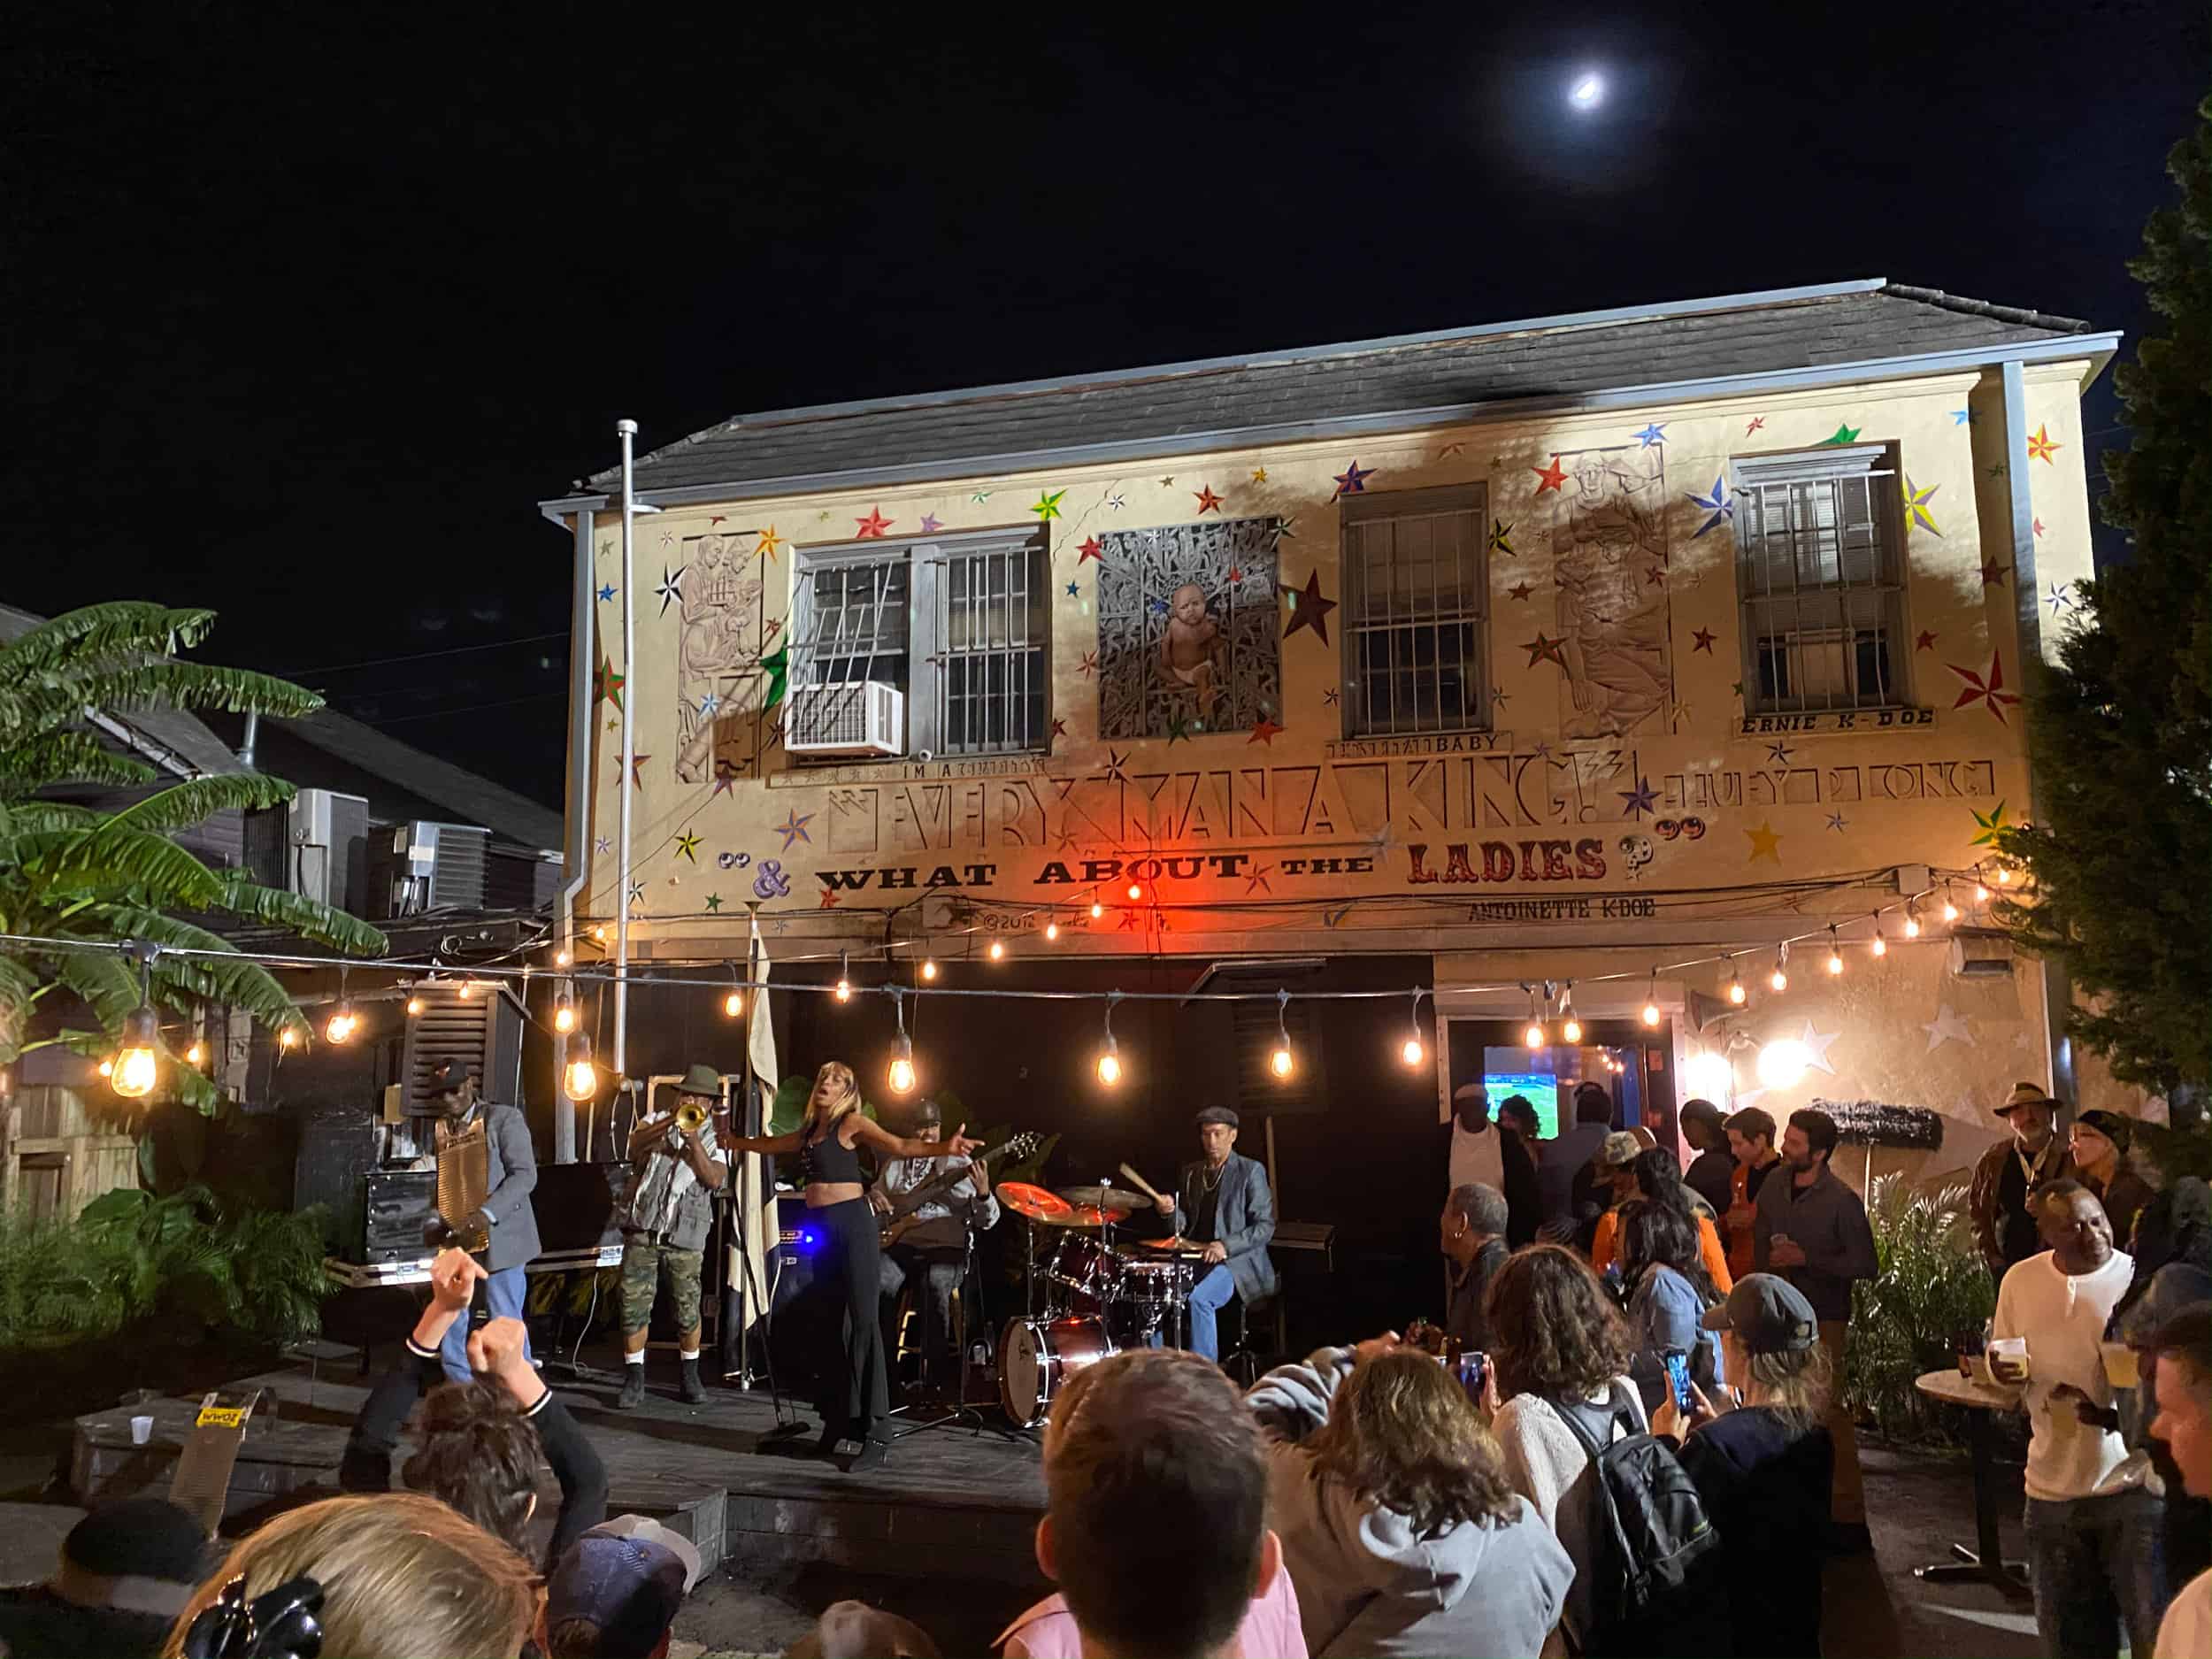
(1873, 1606)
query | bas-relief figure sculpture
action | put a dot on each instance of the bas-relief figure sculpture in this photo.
(1609, 560)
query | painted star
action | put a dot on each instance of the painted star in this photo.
(1115, 762)
(724, 775)
(1946, 1026)
(2061, 597)
(1765, 843)
(1998, 469)
(1544, 650)
(1501, 538)
(1817, 1046)
(1843, 433)
(1655, 433)
(1962, 416)
(1308, 609)
(1066, 842)
(1924, 641)
(1498, 696)
(1717, 504)
(1653, 576)
(714, 903)
(777, 664)
(671, 588)
(829, 899)
(1519, 590)
(1993, 574)
(1263, 731)
(1916, 506)
(2043, 447)
(1059, 730)
(637, 891)
(606, 592)
(1088, 548)
(1130, 921)
(872, 527)
(1456, 447)
(1702, 640)
(983, 494)
(1286, 529)
(1643, 798)
(1991, 827)
(1837, 822)
(1115, 503)
(2037, 525)
(769, 543)
(794, 828)
(1678, 716)
(1552, 477)
(602, 845)
(1352, 480)
(1168, 482)
(1330, 696)
(1757, 421)
(710, 705)
(1259, 475)
(1088, 665)
(1778, 752)
(1256, 880)
(687, 846)
(1208, 502)
(929, 524)
(637, 770)
(1181, 726)
(1047, 507)
(1989, 691)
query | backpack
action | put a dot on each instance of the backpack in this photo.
(1654, 1571)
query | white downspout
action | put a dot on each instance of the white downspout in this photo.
(627, 430)
(582, 665)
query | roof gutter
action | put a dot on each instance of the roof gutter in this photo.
(2098, 347)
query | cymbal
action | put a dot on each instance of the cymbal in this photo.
(1038, 1203)
(1084, 1215)
(1115, 1198)
(1175, 1247)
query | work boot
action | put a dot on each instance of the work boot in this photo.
(695, 1391)
(633, 1395)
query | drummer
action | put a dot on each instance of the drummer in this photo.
(1222, 1208)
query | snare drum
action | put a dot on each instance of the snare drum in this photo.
(1156, 1284)
(1086, 1269)
(1038, 1356)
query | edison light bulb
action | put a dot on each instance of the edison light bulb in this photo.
(1881, 945)
(135, 1073)
(1135, 892)
(289, 1036)
(1098, 910)
(844, 991)
(1835, 960)
(1950, 910)
(1412, 1053)
(414, 1005)
(1571, 1031)
(998, 949)
(197, 1054)
(339, 1028)
(1534, 1037)
(582, 1080)
(1778, 980)
(1052, 930)
(1651, 1013)
(1912, 927)
(733, 1004)
(1736, 992)
(1109, 1067)
(902, 1075)
(561, 958)
(563, 1016)
(1281, 1063)
(929, 968)
(107, 1068)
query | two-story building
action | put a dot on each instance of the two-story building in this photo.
(1671, 654)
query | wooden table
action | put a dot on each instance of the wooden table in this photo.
(1982, 1401)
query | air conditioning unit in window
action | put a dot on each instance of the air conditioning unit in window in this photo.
(861, 717)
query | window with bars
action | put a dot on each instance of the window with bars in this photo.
(1417, 594)
(957, 624)
(1821, 581)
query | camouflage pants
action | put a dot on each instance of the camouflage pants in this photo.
(644, 1265)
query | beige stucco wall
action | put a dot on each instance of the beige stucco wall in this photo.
(1752, 836)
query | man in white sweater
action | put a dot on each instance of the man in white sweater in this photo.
(2093, 1527)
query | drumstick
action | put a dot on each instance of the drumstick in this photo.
(1138, 1182)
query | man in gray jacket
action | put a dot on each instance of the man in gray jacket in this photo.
(510, 1221)
(1222, 1205)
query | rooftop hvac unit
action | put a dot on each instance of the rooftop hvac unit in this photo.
(1981, 956)
(326, 848)
(424, 866)
(861, 717)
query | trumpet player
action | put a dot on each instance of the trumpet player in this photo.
(677, 1164)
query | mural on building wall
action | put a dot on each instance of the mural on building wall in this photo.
(1186, 629)
(719, 589)
(1608, 540)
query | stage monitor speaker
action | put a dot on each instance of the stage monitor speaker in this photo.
(579, 1205)
(478, 1024)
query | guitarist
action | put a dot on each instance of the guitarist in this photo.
(933, 1238)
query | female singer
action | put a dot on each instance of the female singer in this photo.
(855, 1395)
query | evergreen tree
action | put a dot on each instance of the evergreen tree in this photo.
(2120, 728)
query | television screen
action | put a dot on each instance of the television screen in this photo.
(1540, 1089)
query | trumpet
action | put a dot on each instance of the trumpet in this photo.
(691, 1114)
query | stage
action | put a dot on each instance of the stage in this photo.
(712, 1470)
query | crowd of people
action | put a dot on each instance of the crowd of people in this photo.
(1636, 1450)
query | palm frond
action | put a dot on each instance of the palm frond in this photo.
(185, 804)
(115, 858)
(30, 711)
(27, 817)
(119, 627)
(240, 895)
(19, 984)
(106, 984)
(40, 762)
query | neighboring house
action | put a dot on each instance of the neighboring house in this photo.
(1555, 651)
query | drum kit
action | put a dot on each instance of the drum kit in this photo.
(1100, 1297)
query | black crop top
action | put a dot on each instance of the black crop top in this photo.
(829, 1161)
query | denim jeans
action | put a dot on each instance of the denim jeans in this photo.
(503, 1294)
(2096, 1569)
(1207, 1297)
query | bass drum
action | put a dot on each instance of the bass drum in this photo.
(1037, 1356)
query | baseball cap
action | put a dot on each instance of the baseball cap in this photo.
(450, 1074)
(628, 1576)
(135, 1555)
(1621, 1149)
(1768, 1313)
(1217, 1115)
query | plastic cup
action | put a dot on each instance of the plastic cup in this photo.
(142, 1430)
(2008, 1359)
(2120, 1367)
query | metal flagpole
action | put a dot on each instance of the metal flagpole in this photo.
(627, 430)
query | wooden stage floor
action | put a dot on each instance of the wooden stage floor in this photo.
(713, 1470)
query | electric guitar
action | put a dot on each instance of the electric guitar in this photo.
(902, 1219)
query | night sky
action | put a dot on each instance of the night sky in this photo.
(306, 313)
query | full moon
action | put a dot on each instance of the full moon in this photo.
(1588, 92)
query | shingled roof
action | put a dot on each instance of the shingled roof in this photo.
(1679, 351)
